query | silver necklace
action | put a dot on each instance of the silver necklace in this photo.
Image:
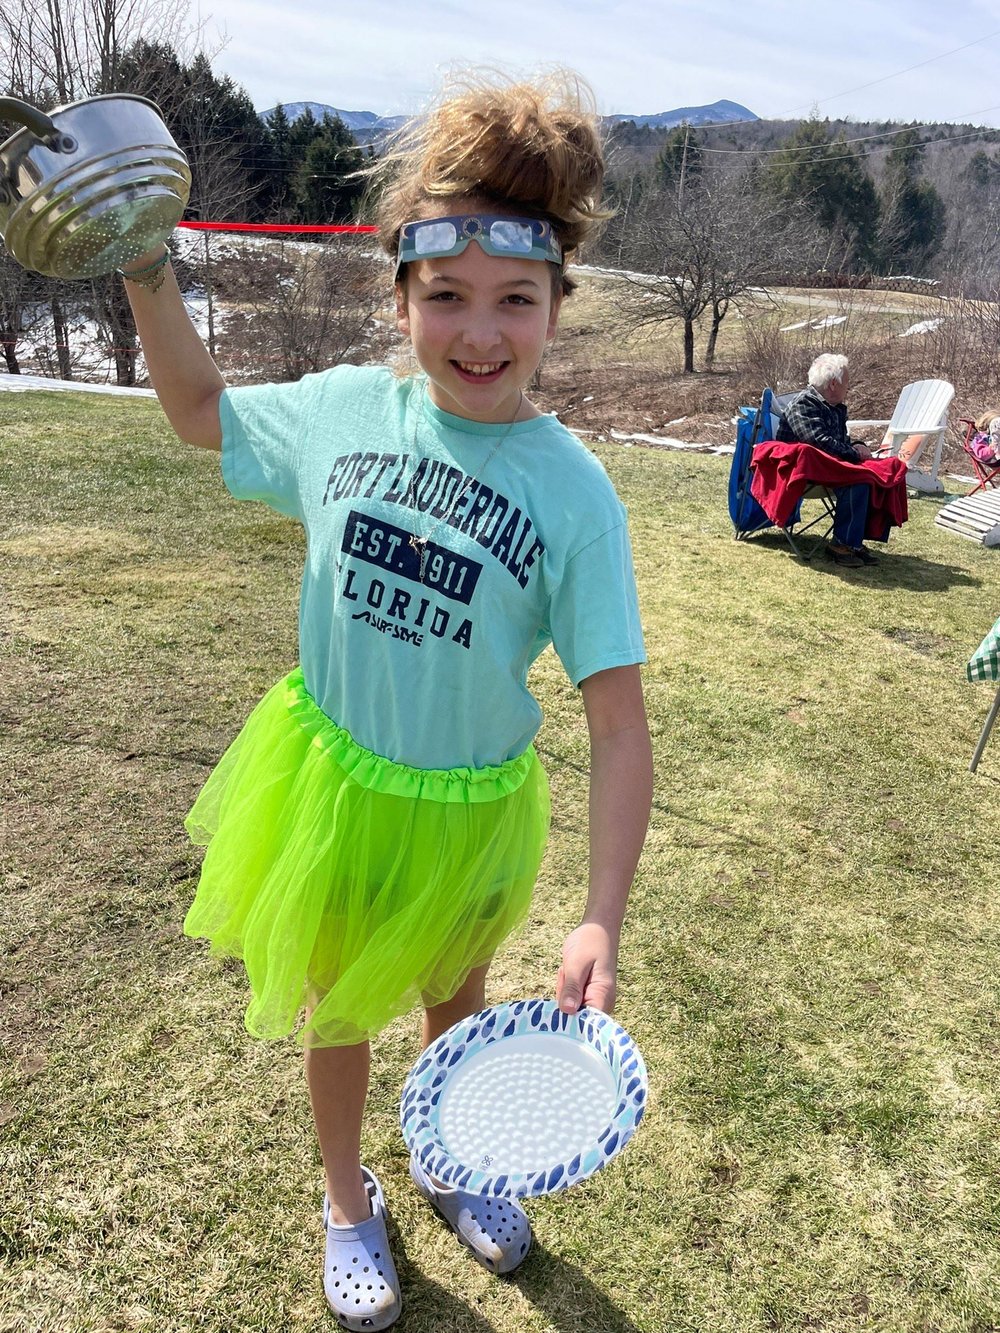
(420, 543)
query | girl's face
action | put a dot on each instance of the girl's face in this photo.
(479, 325)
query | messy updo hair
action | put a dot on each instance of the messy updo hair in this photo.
(530, 149)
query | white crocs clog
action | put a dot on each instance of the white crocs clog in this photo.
(497, 1231)
(359, 1277)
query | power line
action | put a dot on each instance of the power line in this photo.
(866, 138)
(842, 157)
(894, 75)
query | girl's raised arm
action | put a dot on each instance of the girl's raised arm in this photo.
(186, 379)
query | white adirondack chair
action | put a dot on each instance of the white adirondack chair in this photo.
(975, 516)
(922, 409)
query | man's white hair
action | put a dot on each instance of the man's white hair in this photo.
(827, 367)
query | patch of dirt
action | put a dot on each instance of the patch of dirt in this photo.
(632, 398)
(595, 396)
(926, 644)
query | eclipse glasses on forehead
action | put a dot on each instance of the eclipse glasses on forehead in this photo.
(503, 237)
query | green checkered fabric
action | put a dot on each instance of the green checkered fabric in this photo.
(984, 664)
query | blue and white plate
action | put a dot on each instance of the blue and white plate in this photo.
(522, 1099)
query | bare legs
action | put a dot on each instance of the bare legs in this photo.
(468, 999)
(338, 1086)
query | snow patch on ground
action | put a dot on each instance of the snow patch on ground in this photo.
(664, 442)
(925, 326)
(21, 383)
(827, 322)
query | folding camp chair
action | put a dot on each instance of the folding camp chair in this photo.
(988, 473)
(753, 426)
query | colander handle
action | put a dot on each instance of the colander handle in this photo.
(41, 125)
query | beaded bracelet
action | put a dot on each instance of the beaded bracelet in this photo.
(152, 276)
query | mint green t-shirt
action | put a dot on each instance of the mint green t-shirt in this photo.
(533, 551)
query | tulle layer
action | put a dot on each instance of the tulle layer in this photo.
(351, 884)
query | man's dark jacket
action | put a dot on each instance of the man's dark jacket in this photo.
(810, 419)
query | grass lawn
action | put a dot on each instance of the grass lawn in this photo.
(810, 963)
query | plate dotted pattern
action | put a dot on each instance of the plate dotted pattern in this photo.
(418, 1112)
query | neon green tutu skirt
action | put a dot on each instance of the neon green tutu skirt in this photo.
(350, 885)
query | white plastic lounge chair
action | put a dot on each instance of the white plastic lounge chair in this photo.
(922, 409)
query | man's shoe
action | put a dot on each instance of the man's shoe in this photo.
(846, 557)
(865, 556)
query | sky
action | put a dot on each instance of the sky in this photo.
(860, 59)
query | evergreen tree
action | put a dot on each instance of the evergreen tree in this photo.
(302, 132)
(824, 174)
(913, 213)
(279, 167)
(212, 119)
(326, 187)
(680, 159)
(982, 173)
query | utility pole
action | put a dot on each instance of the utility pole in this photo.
(684, 158)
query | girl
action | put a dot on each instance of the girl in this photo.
(374, 832)
(985, 442)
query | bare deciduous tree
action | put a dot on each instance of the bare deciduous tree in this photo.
(302, 307)
(18, 289)
(706, 248)
(56, 51)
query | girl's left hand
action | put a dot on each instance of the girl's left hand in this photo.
(589, 968)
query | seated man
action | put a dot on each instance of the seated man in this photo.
(818, 416)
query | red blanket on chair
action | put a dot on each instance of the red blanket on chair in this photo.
(783, 472)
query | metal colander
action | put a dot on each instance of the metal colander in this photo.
(91, 187)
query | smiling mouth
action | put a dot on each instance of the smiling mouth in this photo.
(480, 370)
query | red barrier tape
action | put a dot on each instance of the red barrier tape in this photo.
(354, 228)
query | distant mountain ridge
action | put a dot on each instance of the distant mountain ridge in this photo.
(365, 125)
(722, 112)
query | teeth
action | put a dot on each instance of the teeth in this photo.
(479, 369)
